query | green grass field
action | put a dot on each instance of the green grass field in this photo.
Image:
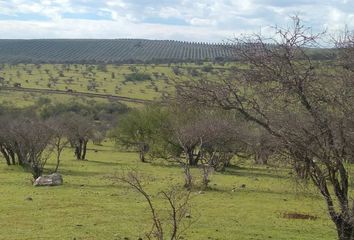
(110, 79)
(92, 205)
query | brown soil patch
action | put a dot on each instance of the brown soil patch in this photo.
(299, 216)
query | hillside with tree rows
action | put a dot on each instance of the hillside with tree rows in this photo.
(109, 51)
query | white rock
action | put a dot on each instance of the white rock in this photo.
(54, 179)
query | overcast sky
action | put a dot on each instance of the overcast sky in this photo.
(190, 20)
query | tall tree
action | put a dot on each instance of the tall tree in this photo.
(138, 129)
(307, 105)
(60, 139)
(31, 140)
(80, 131)
(7, 141)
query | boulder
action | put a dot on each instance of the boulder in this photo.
(54, 179)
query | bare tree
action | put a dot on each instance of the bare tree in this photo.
(60, 140)
(7, 141)
(261, 144)
(80, 131)
(220, 140)
(204, 138)
(31, 140)
(307, 105)
(179, 208)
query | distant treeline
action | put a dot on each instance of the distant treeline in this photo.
(119, 51)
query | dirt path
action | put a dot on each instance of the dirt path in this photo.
(75, 93)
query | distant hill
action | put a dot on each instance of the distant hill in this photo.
(109, 51)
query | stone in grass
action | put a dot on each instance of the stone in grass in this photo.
(54, 179)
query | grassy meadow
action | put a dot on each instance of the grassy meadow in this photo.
(93, 205)
(110, 79)
(246, 201)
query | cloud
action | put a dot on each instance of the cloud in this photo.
(202, 22)
(198, 20)
(73, 28)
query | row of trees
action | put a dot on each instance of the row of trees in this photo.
(110, 51)
(203, 138)
(30, 141)
(28, 137)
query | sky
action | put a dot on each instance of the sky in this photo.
(186, 20)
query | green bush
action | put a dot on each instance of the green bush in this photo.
(137, 77)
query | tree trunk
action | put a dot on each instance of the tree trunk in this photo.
(344, 229)
(187, 176)
(227, 160)
(205, 176)
(78, 150)
(20, 159)
(192, 160)
(36, 171)
(58, 161)
(84, 149)
(143, 149)
(13, 156)
(343, 220)
(261, 157)
(6, 155)
(142, 155)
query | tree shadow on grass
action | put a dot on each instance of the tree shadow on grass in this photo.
(211, 189)
(255, 172)
(281, 192)
(90, 186)
(78, 173)
(105, 163)
(234, 170)
(238, 191)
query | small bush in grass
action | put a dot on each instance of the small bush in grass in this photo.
(137, 77)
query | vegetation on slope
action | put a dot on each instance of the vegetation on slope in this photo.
(121, 51)
(109, 51)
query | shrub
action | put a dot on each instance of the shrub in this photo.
(137, 77)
